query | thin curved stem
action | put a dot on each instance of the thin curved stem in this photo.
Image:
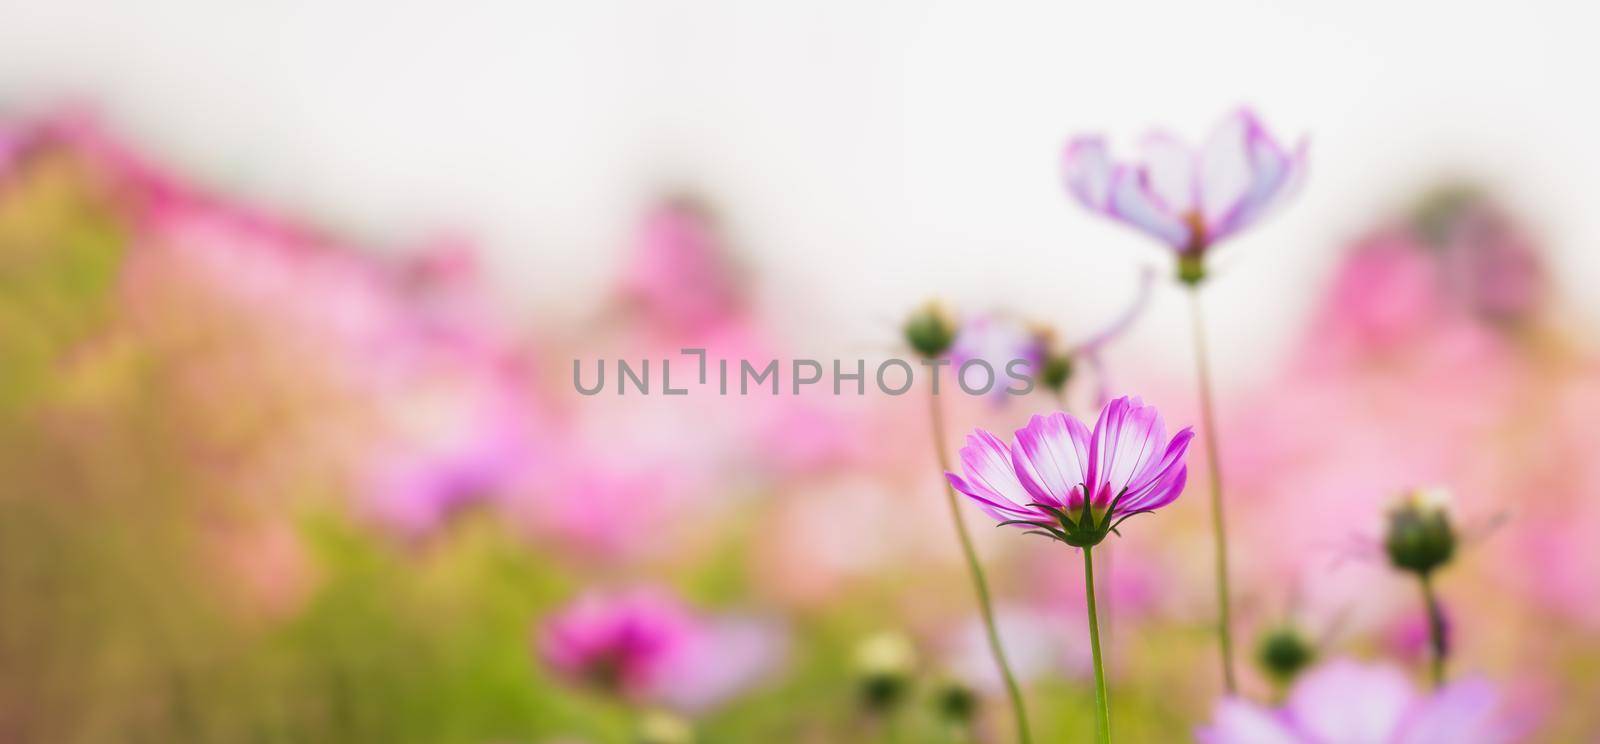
(1219, 530)
(1437, 643)
(1102, 719)
(979, 583)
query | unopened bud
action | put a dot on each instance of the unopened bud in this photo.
(1057, 371)
(884, 664)
(954, 702)
(1283, 652)
(1420, 537)
(930, 330)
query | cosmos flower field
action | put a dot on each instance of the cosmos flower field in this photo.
(266, 482)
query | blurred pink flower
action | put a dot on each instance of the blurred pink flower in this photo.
(1073, 484)
(619, 644)
(393, 375)
(678, 276)
(1036, 642)
(1492, 268)
(1385, 295)
(11, 141)
(601, 508)
(646, 646)
(263, 567)
(1188, 198)
(1344, 702)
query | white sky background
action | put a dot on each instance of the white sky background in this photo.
(864, 156)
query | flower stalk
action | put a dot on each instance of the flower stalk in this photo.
(1219, 528)
(1102, 720)
(979, 583)
(1421, 540)
(1436, 631)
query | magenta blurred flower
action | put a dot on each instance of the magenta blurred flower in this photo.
(11, 139)
(678, 275)
(1344, 702)
(646, 646)
(1066, 482)
(620, 644)
(1188, 198)
(1386, 294)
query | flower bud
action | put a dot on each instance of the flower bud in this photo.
(884, 664)
(1420, 537)
(1283, 652)
(1056, 372)
(930, 330)
(954, 702)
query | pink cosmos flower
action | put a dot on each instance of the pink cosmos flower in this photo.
(646, 646)
(1185, 197)
(620, 644)
(1344, 702)
(679, 276)
(1071, 484)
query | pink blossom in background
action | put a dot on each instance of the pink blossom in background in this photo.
(1492, 267)
(394, 375)
(678, 277)
(726, 657)
(600, 507)
(11, 142)
(1040, 645)
(1385, 296)
(1345, 702)
(1188, 198)
(264, 567)
(621, 644)
(646, 646)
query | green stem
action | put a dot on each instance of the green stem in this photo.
(979, 583)
(1436, 631)
(1102, 719)
(1214, 468)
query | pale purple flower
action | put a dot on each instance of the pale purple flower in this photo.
(1075, 485)
(1035, 642)
(1345, 702)
(998, 341)
(1189, 198)
(646, 646)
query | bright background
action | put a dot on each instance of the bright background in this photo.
(864, 155)
(289, 294)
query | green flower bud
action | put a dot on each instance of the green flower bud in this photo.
(955, 702)
(930, 330)
(1283, 652)
(884, 664)
(1057, 370)
(1420, 537)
